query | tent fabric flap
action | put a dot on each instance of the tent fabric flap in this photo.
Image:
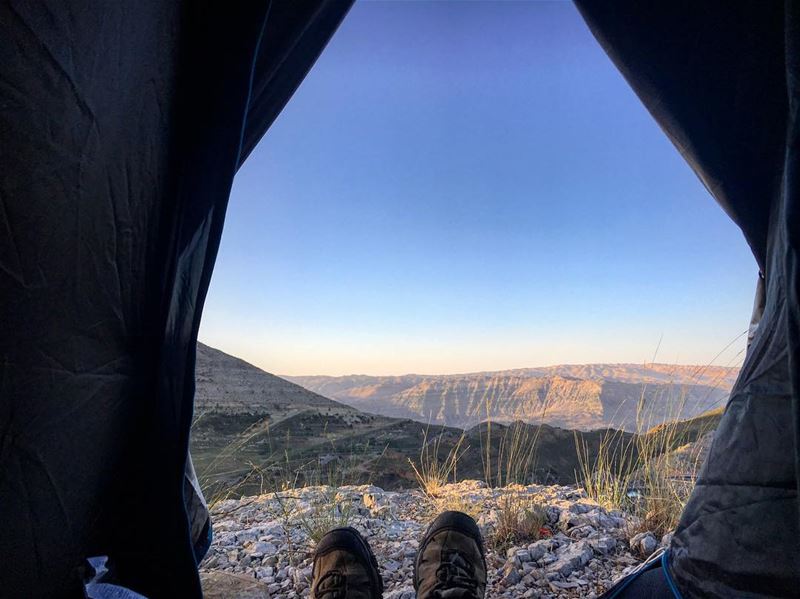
(122, 127)
(721, 79)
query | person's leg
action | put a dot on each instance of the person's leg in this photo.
(450, 560)
(345, 568)
(650, 585)
(648, 581)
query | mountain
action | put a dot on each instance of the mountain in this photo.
(629, 397)
(228, 385)
(251, 427)
(254, 432)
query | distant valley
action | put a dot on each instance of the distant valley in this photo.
(254, 432)
(583, 397)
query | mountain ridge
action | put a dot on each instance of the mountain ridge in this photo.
(253, 429)
(578, 370)
(582, 396)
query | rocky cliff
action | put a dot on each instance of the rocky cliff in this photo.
(585, 397)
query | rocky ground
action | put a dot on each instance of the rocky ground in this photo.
(262, 545)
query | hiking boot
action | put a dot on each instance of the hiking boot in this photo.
(344, 567)
(450, 562)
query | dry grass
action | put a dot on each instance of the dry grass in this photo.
(453, 502)
(608, 477)
(216, 491)
(519, 520)
(326, 513)
(632, 476)
(433, 471)
(642, 475)
(516, 458)
(281, 471)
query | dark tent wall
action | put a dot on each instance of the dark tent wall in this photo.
(122, 125)
(721, 78)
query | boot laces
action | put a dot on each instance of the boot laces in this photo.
(455, 577)
(332, 586)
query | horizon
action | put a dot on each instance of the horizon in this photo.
(465, 373)
(472, 187)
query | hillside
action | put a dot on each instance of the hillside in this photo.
(228, 385)
(255, 432)
(258, 434)
(582, 397)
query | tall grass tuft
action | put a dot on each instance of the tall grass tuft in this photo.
(433, 472)
(643, 474)
(607, 478)
(281, 470)
(515, 460)
(516, 455)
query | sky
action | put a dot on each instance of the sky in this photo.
(471, 186)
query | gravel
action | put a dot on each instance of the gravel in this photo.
(263, 545)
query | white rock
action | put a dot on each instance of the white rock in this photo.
(604, 544)
(523, 555)
(644, 542)
(406, 592)
(539, 548)
(391, 566)
(571, 557)
(244, 536)
(510, 575)
(264, 538)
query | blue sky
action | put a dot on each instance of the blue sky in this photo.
(462, 186)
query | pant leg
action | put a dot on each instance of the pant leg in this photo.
(648, 585)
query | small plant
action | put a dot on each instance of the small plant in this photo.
(643, 474)
(515, 459)
(324, 514)
(215, 487)
(433, 472)
(454, 502)
(519, 520)
(608, 477)
(666, 494)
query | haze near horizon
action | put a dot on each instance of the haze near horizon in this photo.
(465, 187)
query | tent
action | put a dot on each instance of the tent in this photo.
(121, 127)
(722, 79)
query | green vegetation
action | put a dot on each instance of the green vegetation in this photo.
(433, 472)
(325, 513)
(237, 455)
(650, 474)
(300, 449)
(520, 520)
(246, 454)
